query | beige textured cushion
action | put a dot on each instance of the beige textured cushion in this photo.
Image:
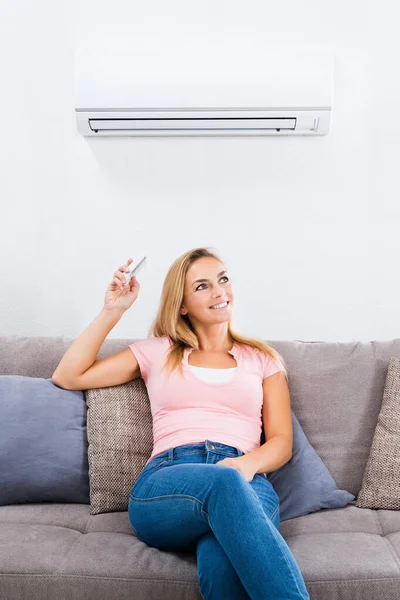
(120, 436)
(381, 481)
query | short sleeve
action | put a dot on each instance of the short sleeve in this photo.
(149, 353)
(270, 367)
(142, 349)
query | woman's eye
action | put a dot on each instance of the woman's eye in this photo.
(227, 278)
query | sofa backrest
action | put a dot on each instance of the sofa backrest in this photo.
(336, 390)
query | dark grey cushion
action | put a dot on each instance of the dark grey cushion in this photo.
(43, 442)
(304, 484)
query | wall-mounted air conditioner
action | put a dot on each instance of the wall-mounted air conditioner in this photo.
(122, 93)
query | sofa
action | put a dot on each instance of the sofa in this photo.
(59, 550)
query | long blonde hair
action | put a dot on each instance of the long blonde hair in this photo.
(169, 322)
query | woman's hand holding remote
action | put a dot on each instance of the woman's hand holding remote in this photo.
(121, 296)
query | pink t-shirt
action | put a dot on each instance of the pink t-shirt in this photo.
(189, 410)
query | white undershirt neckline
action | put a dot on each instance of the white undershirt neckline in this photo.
(211, 375)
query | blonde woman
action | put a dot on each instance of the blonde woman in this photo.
(204, 487)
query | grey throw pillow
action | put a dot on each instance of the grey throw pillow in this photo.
(381, 481)
(120, 436)
(304, 484)
(43, 442)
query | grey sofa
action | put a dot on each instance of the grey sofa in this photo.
(58, 551)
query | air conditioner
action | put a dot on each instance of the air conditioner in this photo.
(120, 93)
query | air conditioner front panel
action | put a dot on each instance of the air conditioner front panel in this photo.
(106, 76)
(128, 92)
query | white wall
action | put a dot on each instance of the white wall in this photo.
(308, 226)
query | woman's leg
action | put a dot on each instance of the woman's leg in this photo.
(182, 495)
(218, 579)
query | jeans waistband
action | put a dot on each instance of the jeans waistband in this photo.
(201, 448)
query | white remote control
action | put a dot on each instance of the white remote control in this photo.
(134, 269)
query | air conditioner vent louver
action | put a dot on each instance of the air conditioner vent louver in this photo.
(216, 124)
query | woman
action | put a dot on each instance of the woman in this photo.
(204, 487)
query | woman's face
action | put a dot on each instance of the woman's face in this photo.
(199, 296)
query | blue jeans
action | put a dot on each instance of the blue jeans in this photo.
(184, 501)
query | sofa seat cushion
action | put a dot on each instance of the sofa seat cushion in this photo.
(69, 549)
